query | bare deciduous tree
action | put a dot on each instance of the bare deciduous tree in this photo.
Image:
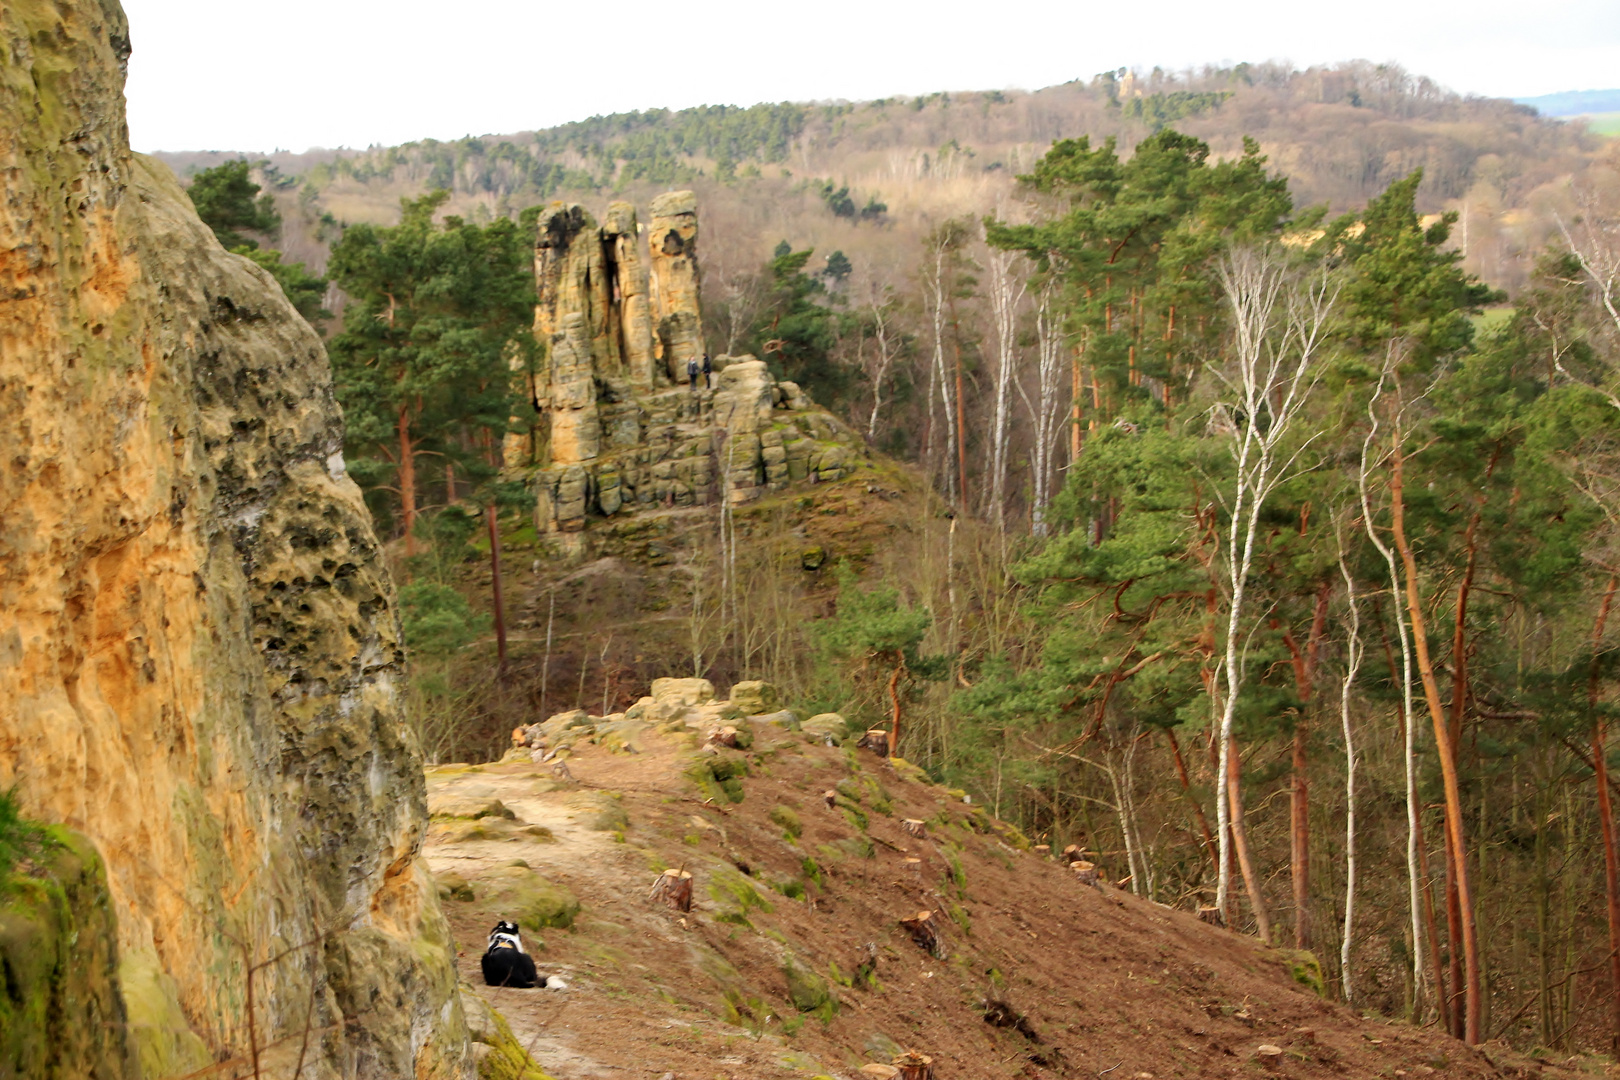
(1279, 328)
(1006, 292)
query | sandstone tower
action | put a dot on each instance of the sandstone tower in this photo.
(613, 424)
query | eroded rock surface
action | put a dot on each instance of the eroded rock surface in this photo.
(616, 424)
(199, 654)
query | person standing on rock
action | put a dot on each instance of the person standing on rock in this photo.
(692, 373)
(707, 383)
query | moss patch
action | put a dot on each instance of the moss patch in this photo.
(1305, 969)
(532, 901)
(61, 1012)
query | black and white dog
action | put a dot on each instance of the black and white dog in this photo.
(505, 963)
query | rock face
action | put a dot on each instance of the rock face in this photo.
(199, 654)
(678, 310)
(615, 424)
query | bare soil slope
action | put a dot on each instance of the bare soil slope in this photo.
(764, 977)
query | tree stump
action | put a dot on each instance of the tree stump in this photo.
(914, 827)
(561, 771)
(875, 740)
(1042, 850)
(831, 797)
(1085, 873)
(913, 1066)
(1073, 854)
(1269, 1056)
(1211, 914)
(673, 887)
(880, 1072)
(924, 930)
(724, 736)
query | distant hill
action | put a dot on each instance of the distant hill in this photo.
(871, 178)
(1574, 102)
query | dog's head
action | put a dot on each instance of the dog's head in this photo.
(504, 927)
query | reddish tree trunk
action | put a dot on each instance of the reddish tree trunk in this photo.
(495, 578)
(1240, 841)
(1611, 862)
(1299, 807)
(1186, 788)
(407, 480)
(894, 707)
(1456, 844)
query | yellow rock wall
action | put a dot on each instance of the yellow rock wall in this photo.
(199, 653)
(672, 240)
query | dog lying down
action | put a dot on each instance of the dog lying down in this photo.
(506, 964)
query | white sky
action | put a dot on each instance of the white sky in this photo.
(226, 75)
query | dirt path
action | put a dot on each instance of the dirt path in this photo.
(765, 977)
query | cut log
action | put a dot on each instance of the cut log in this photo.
(913, 1066)
(914, 827)
(831, 796)
(1085, 873)
(518, 738)
(673, 887)
(924, 930)
(876, 740)
(1211, 914)
(880, 1072)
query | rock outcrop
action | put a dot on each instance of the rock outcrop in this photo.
(199, 654)
(615, 423)
(678, 308)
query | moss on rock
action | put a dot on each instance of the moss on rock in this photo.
(61, 1012)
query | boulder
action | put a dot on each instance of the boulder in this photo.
(784, 718)
(445, 805)
(682, 691)
(754, 697)
(825, 724)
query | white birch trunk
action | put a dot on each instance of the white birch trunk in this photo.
(1352, 668)
(1273, 357)
(1004, 299)
(1413, 805)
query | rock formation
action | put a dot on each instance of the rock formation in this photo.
(199, 653)
(678, 311)
(615, 424)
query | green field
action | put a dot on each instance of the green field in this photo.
(1604, 123)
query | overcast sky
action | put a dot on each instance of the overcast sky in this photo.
(225, 75)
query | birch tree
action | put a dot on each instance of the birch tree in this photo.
(1006, 293)
(1278, 331)
(1045, 419)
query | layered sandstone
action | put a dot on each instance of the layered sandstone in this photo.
(678, 312)
(615, 424)
(199, 653)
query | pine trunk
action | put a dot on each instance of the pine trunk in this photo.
(495, 585)
(1456, 843)
(407, 480)
(1611, 860)
(1240, 841)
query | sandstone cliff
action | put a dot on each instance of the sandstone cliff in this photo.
(615, 423)
(199, 654)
